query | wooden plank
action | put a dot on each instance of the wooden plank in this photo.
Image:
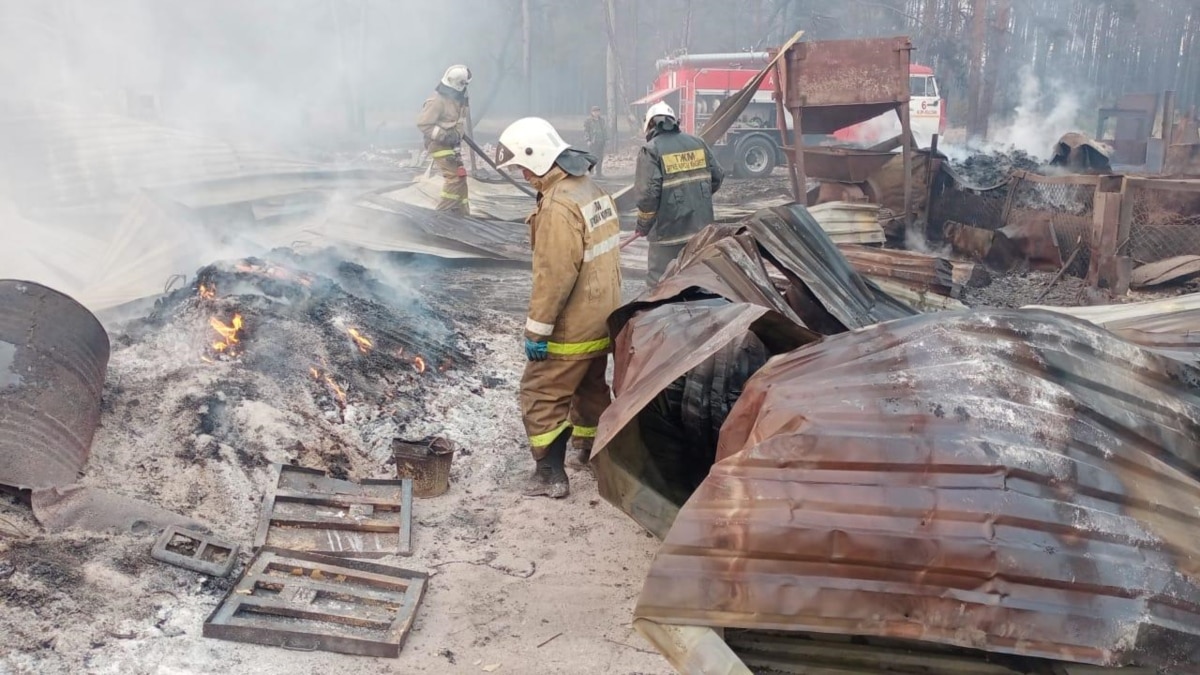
(1165, 271)
(1106, 223)
(695, 650)
(1072, 179)
(1170, 184)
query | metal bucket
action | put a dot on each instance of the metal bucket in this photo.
(426, 462)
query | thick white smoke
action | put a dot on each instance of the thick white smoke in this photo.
(1044, 112)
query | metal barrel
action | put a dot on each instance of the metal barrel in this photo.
(53, 359)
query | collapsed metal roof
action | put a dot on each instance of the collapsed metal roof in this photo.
(1017, 481)
(973, 480)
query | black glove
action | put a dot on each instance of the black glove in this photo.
(450, 137)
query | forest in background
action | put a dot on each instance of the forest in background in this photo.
(270, 67)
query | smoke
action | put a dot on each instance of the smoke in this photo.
(1045, 111)
(103, 101)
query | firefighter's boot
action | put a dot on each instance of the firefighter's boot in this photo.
(580, 454)
(549, 479)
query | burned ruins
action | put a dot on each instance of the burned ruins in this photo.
(923, 397)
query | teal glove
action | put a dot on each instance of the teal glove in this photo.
(536, 351)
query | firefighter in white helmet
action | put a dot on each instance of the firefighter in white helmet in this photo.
(574, 232)
(442, 122)
(676, 176)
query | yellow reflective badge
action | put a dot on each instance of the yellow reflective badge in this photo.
(678, 162)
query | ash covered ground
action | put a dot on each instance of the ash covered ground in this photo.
(194, 431)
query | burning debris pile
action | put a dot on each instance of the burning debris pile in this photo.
(363, 356)
(290, 363)
(272, 391)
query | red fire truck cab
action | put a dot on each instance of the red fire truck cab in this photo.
(695, 84)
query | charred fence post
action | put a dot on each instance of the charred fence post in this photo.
(1111, 215)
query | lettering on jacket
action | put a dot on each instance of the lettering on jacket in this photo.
(689, 160)
(600, 211)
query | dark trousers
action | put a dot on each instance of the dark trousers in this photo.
(658, 256)
(597, 149)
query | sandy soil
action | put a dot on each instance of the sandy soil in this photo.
(509, 573)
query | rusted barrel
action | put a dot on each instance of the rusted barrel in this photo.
(53, 357)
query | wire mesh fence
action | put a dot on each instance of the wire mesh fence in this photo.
(1164, 221)
(1063, 210)
(1054, 217)
(1058, 212)
(959, 203)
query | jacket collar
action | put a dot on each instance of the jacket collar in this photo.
(543, 183)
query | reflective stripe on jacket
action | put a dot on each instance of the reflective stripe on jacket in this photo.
(576, 266)
(676, 178)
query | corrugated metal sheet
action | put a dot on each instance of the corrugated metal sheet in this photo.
(717, 291)
(794, 242)
(1014, 481)
(53, 358)
(1170, 326)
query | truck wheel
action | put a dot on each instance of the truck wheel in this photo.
(755, 158)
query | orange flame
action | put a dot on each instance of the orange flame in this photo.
(419, 364)
(363, 342)
(338, 392)
(207, 292)
(229, 333)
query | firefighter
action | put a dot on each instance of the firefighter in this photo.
(595, 132)
(442, 122)
(676, 178)
(574, 231)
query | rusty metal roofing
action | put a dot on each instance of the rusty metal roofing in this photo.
(1014, 481)
(53, 358)
(824, 294)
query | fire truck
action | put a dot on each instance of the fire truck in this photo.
(695, 84)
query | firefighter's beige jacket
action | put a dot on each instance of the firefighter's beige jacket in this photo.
(576, 266)
(440, 113)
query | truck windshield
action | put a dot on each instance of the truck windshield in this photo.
(922, 85)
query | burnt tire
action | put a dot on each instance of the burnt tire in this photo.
(754, 157)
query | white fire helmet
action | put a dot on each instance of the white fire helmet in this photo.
(457, 77)
(531, 143)
(659, 109)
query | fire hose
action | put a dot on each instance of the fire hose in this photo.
(504, 174)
